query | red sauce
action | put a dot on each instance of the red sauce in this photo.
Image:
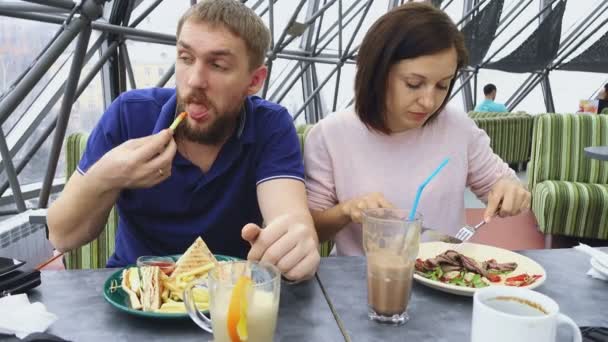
(165, 266)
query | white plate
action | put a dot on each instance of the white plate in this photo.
(480, 253)
(599, 267)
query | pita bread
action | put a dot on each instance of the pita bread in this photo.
(197, 255)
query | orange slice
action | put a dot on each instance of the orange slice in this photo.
(237, 310)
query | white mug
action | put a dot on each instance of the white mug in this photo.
(507, 314)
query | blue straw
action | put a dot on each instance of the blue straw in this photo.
(421, 187)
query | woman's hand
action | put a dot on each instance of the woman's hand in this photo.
(353, 208)
(509, 197)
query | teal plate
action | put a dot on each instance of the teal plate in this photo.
(120, 300)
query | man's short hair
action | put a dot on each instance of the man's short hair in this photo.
(489, 89)
(606, 87)
(236, 17)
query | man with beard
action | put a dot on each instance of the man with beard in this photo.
(233, 165)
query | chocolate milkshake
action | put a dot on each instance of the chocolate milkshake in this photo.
(389, 284)
(390, 240)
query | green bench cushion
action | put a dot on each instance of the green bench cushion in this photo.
(510, 135)
(558, 148)
(94, 254)
(572, 208)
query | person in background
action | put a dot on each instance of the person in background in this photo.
(489, 104)
(232, 165)
(400, 130)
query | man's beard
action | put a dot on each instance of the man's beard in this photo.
(219, 129)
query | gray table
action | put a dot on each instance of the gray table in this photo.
(76, 297)
(597, 152)
(437, 316)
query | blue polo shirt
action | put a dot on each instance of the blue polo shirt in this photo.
(167, 218)
(488, 105)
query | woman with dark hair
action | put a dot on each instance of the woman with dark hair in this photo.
(400, 131)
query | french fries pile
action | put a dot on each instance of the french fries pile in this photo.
(150, 289)
(173, 291)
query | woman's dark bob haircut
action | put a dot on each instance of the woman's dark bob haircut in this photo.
(409, 31)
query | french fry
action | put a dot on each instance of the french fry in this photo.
(176, 296)
(172, 286)
(197, 271)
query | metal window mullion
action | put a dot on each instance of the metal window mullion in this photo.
(525, 91)
(547, 93)
(16, 96)
(19, 6)
(10, 173)
(64, 113)
(16, 146)
(267, 81)
(271, 23)
(261, 14)
(166, 77)
(447, 4)
(463, 83)
(357, 28)
(279, 42)
(64, 4)
(314, 93)
(48, 130)
(336, 89)
(257, 4)
(124, 53)
(318, 30)
(468, 7)
(145, 13)
(318, 11)
(348, 21)
(126, 31)
(521, 87)
(469, 11)
(286, 88)
(345, 14)
(306, 44)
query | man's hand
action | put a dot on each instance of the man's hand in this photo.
(137, 163)
(354, 208)
(510, 196)
(286, 243)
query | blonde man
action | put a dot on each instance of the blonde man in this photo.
(233, 164)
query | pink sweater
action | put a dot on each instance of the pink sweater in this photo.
(343, 160)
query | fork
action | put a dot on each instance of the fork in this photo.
(466, 232)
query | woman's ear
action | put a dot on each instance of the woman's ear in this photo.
(258, 76)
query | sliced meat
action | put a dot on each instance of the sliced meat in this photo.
(471, 265)
(504, 267)
(449, 268)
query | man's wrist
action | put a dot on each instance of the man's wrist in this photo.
(98, 181)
